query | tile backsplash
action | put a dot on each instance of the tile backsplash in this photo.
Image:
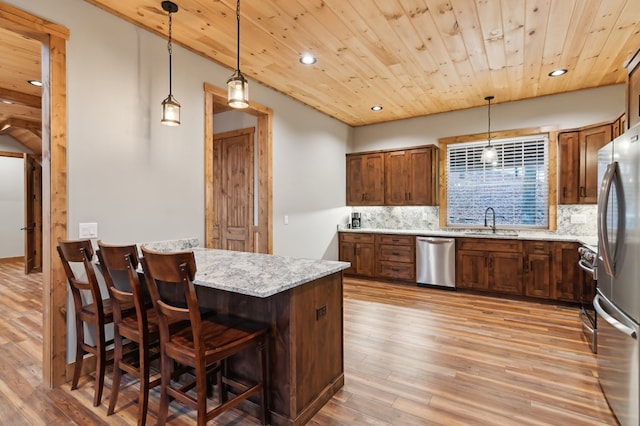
(426, 217)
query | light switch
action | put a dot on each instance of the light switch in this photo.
(286, 219)
(88, 230)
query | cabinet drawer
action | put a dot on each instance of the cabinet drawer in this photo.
(489, 244)
(536, 247)
(349, 237)
(400, 240)
(405, 254)
(400, 271)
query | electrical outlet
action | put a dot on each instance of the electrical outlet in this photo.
(321, 311)
(88, 230)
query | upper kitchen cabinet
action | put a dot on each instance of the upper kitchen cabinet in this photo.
(578, 182)
(633, 90)
(365, 179)
(410, 177)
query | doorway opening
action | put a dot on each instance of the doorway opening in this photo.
(260, 232)
(53, 40)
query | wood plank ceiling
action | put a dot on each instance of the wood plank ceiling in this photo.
(413, 57)
(20, 102)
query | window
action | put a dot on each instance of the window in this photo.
(517, 186)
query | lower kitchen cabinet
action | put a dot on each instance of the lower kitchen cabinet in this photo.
(569, 278)
(396, 257)
(359, 250)
(538, 270)
(488, 264)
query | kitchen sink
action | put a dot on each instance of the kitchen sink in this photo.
(498, 233)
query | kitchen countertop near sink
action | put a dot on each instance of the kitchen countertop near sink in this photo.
(500, 234)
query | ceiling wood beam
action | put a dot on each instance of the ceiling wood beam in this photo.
(34, 126)
(20, 98)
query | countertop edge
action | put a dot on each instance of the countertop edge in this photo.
(538, 236)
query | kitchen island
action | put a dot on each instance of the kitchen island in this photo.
(301, 300)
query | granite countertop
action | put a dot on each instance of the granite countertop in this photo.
(252, 274)
(260, 275)
(500, 234)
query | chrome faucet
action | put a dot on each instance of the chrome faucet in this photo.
(493, 226)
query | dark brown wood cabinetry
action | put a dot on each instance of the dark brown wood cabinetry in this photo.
(541, 269)
(393, 177)
(410, 177)
(365, 179)
(488, 264)
(538, 270)
(359, 250)
(396, 257)
(578, 182)
(633, 90)
(569, 279)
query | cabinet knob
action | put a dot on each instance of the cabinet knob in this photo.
(583, 191)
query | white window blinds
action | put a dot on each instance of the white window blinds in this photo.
(516, 186)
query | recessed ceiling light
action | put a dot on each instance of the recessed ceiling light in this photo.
(5, 101)
(308, 59)
(376, 108)
(558, 72)
(35, 82)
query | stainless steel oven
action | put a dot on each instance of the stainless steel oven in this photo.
(587, 262)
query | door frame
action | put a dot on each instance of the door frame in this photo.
(263, 235)
(54, 181)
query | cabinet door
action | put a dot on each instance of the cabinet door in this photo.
(633, 92)
(365, 263)
(396, 179)
(505, 272)
(355, 180)
(538, 275)
(471, 269)
(347, 253)
(568, 275)
(421, 176)
(591, 140)
(569, 145)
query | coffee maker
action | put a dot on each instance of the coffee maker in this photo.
(355, 221)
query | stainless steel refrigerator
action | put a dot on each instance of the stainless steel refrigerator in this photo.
(617, 299)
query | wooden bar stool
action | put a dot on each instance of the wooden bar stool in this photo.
(134, 319)
(206, 344)
(97, 313)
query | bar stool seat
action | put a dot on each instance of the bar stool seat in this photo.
(97, 313)
(206, 345)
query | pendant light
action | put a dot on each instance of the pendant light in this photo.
(237, 85)
(170, 106)
(489, 152)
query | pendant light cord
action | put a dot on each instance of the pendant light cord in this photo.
(170, 49)
(238, 20)
(489, 120)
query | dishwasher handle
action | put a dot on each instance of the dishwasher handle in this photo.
(432, 240)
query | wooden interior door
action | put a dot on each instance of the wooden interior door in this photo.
(233, 180)
(32, 215)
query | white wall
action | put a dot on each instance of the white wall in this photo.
(143, 181)
(11, 207)
(564, 111)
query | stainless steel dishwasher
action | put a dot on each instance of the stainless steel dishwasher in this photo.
(436, 262)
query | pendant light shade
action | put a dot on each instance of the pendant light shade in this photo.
(170, 106)
(237, 85)
(489, 152)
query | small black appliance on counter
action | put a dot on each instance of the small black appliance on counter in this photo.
(355, 221)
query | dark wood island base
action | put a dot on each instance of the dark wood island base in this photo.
(306, 357)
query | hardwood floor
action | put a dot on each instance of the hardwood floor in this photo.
(413, 356)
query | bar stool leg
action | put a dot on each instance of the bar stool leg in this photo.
(79, 353)
(100, 364)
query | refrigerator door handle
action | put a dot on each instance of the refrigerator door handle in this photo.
(611, 320)
(611, 177)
